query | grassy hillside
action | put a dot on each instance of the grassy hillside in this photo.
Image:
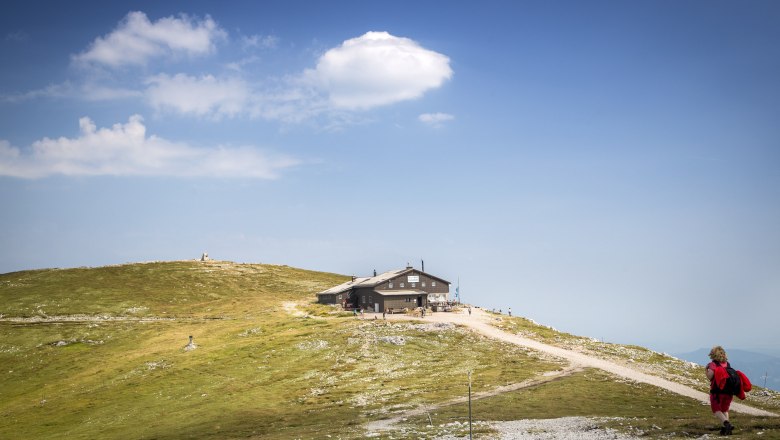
(99, 353)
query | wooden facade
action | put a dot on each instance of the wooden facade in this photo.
(407, 288)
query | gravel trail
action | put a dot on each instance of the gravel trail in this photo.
(479, 321)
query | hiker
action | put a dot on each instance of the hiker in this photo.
(354, 313)
(469, 310)
(510, 312)
(384, 315)
(719, 400)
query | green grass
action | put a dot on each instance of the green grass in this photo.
(259, 371)
(183, 288)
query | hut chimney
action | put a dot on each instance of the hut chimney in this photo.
(423, 265)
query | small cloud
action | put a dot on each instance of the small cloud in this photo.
(204, 96)
(435, 119)
(378, 69)
(136, 40)
(238, 66)
(126, 150)
(260, 42)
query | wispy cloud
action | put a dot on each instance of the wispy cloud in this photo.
(259, 41)
(199, 96)
(126, 150)
(87, 91)
(17, 36)
(435, 119)
(377, 69)
(137, 40)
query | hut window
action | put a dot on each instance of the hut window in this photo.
(390, 285)
(364, 299)
(401, 285)
(423, 283)
(414, 284)
(433, 283)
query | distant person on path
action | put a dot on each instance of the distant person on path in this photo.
(510, 311)
(719, 401)
(469, 310)
(384, 314)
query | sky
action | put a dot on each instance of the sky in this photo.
(608, 168)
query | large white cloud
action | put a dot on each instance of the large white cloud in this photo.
(378, 69)
(136, 40)
(126, 150)
(204, 96)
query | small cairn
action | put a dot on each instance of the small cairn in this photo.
(191, 346)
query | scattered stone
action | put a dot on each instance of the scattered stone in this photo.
(565, 428)
(395, 340)
(313, 345)
(153, 365)
(250, 332)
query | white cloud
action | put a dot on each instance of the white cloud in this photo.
(126, 150)
(378, 69)
(435, 119)
(372, 70)
(136, 40)
(204, 96)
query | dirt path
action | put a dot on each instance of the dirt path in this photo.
(479, 321)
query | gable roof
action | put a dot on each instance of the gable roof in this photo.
(375, 281)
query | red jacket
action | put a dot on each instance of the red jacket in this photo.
(720, 375)
(745, 385)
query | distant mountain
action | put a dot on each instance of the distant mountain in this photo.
(754, 365)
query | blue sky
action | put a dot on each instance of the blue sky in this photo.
(609, 168)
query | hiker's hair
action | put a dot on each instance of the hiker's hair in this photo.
(718, 354)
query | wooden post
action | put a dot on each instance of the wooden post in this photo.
(470, 405)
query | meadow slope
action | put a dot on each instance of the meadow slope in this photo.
(100, 353)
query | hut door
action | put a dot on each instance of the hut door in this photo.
(376, 307)
(419, 301)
